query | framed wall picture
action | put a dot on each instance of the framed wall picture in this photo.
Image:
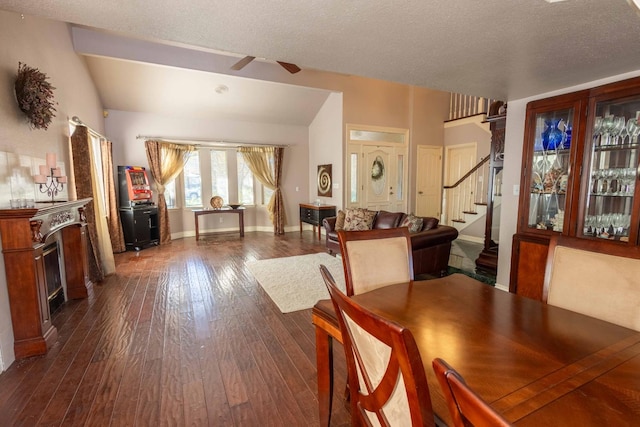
(324, 181)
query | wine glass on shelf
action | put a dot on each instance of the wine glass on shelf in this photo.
(633, 129)
(597, 131)
(616, 128)
(614, 181)
(631, 177)
(589, 224)
(624, 133)
(595, 181)
(607, 126)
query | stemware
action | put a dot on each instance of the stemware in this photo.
(616, 129)
(607, 126)
(615, 186)
(597, 130)
(633, 129)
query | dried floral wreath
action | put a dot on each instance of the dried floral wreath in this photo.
(35, 96)
(377, 169)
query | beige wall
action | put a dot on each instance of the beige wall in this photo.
(45, 45)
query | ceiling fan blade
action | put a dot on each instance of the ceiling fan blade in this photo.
(242, 63)
(292, 68)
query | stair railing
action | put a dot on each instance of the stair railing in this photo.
(467, 192)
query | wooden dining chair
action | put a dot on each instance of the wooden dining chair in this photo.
(465, 406)
(386, 376)
(375, 258)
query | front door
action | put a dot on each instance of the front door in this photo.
(378, 175)
(376, 169)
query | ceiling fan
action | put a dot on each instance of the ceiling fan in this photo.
(292, 68)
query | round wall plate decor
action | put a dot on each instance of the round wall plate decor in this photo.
(324, 180)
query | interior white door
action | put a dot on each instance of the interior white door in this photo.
(459, 160)
(429, 181)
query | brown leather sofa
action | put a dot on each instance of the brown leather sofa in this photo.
(431, 246)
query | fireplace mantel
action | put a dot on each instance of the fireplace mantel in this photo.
(24, 233)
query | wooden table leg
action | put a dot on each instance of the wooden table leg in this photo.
(241, 215)
(324, 361)
(319, 232)
(197, 230)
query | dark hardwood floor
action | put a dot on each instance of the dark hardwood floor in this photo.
(182, 334)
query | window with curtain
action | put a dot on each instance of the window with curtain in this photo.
(192, 181)
(215, 172)
(245, 182)
(220, 174)
(170, 195)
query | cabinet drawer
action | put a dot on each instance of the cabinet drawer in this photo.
(309, 214)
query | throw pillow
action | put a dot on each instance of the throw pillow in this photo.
(358, 219)
(339, 221)
(414, 223)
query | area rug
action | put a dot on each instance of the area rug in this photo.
(294, 283)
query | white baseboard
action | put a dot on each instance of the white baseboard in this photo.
(502, 287)
(262, 228)
(473, 239)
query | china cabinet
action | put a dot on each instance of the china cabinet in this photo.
(579, 174)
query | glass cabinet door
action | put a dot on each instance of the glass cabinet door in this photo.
(611, 159)
(549, 169)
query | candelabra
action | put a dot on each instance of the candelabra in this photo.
(50, 179)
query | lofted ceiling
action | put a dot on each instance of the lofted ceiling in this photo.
(170, 91)
(502, 49)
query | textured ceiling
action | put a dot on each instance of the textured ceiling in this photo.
(504, 49)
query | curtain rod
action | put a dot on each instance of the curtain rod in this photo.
(200, 142)
(75, 120)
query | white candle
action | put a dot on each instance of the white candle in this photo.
(51, 160)
(40, 179)
(62, 179)
(44, 170)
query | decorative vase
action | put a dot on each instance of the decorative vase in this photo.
(567, 138)
(552, 137)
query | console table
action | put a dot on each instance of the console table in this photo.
(239, 212)
(25, 232)
(314, 214)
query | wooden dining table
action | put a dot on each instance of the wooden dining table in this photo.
(534, 363)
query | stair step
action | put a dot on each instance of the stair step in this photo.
(470, 212)
(459, 220)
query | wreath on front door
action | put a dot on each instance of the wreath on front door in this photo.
(377, 169)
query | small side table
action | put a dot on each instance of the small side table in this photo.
(314, 214)
(239, 212)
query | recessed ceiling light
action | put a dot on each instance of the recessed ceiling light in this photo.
(554, 1)
(221, 89)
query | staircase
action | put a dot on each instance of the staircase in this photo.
(465, 201)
